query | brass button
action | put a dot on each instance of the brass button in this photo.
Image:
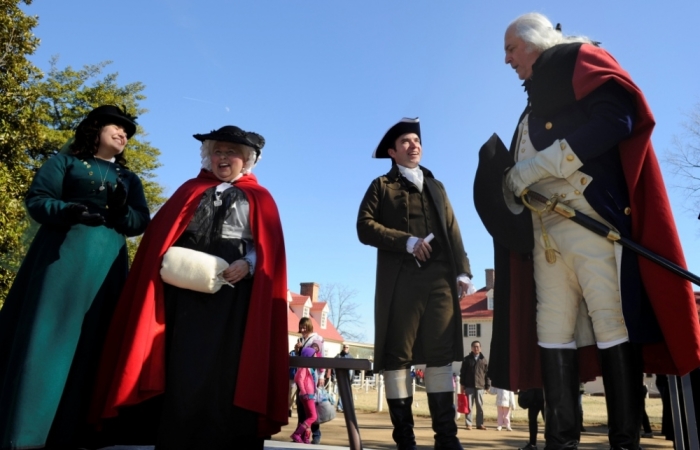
(548, 125)
(577, 192)
(522, 150)
(523, 141)
(562, 145)
(584, 181)
(525, 132)
(90, 173)
(117, 169)
(88, 166)
(569, 157)
(628, 211)
(563, 195)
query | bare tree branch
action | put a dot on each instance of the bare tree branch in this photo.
(343, 310)
(684, 159)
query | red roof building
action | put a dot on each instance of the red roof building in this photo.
(307, 304)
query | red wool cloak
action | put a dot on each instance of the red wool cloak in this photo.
(653, 227)
(132, 368)
(652, 223)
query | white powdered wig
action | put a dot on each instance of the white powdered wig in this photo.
(540, 34)
(207, 147)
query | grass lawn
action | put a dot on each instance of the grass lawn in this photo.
(594, 412)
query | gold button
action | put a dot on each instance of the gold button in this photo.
(522, 150)
(548, 125)
(525, 132)
(563, 195)
(569, 157)
(88, 166)
(577, 192)
(584, 181)
(628, 211)
(117, 169)
(523, 141)
(562, 145)
(90, 173)
(566, 202)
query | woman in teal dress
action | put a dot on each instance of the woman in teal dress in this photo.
(56, 314)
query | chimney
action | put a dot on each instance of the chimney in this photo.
(310, 290)
(490, 278)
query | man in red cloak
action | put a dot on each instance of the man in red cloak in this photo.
(570, 295)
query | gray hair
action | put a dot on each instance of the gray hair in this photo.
(205, 152)
(539, 33)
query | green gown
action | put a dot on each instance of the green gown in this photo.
(57, 312)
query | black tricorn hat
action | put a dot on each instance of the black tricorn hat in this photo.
(404, 126)
(231, 133)
(507, 220)
(112, 114)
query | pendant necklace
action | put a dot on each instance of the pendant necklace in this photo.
(102, 179)
(218, 201)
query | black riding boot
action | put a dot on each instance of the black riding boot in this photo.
(442, 413)
(622, 379)
(560, 378)
(402, 419)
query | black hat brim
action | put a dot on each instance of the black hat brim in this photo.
(390, 137)
(508, 221)
(235, 135)
(106, 114)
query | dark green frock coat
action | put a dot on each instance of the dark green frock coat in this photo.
(382, 222)
(55, 316)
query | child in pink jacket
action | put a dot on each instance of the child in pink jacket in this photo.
(306, 383)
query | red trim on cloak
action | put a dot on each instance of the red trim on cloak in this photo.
(132, 368)
(652, 222)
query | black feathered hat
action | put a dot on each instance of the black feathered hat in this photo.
(404, 126)
(231, 133)
(111, 114)
(507, 220)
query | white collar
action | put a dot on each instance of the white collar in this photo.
(414, 175)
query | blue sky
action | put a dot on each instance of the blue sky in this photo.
(323, 80)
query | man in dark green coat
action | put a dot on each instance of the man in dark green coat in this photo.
(422, 271)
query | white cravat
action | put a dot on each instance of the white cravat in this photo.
(414, 175)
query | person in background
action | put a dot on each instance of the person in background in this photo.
(219, 359)
(533, 401)
(306, 381)
(475, 382)
(53, 322)
(310, 339)
(581, 391)
(419, 283)
(646, 426)
(344, 353)
(505, 404)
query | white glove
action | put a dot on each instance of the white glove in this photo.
(557, 160)
(524, 174)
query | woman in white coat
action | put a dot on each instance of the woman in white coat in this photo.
(505, 403)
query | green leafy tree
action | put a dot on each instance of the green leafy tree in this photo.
(19, 130)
